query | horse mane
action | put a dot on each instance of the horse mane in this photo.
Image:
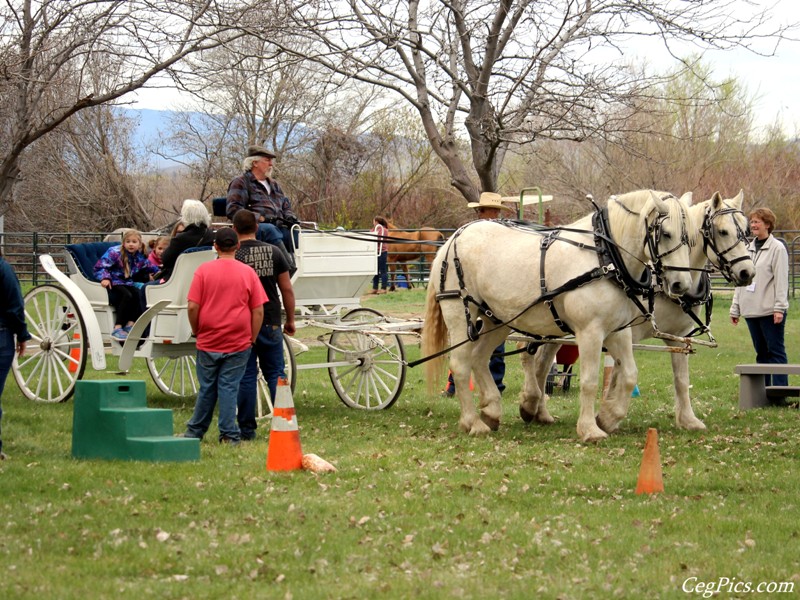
(694, 222)
(625, 214)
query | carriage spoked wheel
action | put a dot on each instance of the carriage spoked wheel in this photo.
(55, 357)
(174, 375)
(290, 368)
(376, 372)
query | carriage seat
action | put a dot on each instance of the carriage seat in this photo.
(171, 323)
(85, 256)
(80, 260)
(218, 206)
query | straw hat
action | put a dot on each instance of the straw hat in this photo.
(489, 200)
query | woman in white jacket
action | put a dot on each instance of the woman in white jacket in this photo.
(764, 302)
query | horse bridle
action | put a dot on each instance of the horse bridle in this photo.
(724, 265)
(653, 238)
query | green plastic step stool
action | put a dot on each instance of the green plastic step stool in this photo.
(111, 420)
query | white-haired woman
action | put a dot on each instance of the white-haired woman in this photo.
(197, 232)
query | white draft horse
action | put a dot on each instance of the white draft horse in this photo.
(717, 234)
(502, 273)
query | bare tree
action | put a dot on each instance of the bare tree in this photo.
(94, 178)
(510, 71)
(47, 46)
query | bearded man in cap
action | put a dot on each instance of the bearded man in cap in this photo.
(256, 191)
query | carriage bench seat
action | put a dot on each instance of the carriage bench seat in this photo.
(753, 391)
(85, 256)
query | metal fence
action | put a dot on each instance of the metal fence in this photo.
(22, 251)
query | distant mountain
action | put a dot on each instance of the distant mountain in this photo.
(151, 126)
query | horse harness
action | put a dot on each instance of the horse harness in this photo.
(702, 296)
(725, 266)
(611, 266)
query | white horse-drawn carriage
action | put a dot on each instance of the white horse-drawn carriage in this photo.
(71, 320)
(564, 291)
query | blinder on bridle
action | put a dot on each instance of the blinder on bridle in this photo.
(653, 240)
(725, 266)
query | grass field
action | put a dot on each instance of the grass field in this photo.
(417, 509)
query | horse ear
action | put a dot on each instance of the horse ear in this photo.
(716, 201)
(687, 198)
(739, 200)
(660, 205)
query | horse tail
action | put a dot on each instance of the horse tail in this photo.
(434, 338)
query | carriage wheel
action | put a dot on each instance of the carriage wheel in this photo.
(175, 376)
(55, 357)
(290, 367)
(377, 380)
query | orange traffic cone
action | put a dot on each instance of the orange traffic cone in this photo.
(75, 354)
(650, 481)
(284, 453)
(450, 376)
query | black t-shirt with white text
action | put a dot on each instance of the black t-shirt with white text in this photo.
(268, 261)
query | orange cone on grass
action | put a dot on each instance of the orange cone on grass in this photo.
(284, 453)
(650, 480)
(450, 376)
(75, 354)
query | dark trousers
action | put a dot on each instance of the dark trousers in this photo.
(8, 347)
(383, 272)
(127, 300)
(267, 353)
(768, 342)
(497, 367)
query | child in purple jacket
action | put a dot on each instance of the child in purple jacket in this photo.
(121, 270)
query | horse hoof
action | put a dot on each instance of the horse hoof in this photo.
(594, 435)
(692, 424)
(545, 418)
(479, 429)
(492, 423)
(607, 424)
(525, 415)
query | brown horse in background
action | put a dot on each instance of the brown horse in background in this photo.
(417, 247)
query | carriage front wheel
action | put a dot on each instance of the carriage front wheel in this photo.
(375, 371)
(55, 357)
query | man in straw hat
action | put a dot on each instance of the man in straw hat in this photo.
(488, 207)
(256, 191)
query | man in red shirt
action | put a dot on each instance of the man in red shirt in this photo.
(226, 308)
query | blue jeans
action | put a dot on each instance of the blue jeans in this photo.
(768, 341)
(7, 349)
(268, 352)
(497, 367)
(383, 272)
(218, 375)
(272, 234)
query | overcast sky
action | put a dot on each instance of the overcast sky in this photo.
(773, 80)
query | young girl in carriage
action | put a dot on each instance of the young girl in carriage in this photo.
(157, 247)
(122, 270)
